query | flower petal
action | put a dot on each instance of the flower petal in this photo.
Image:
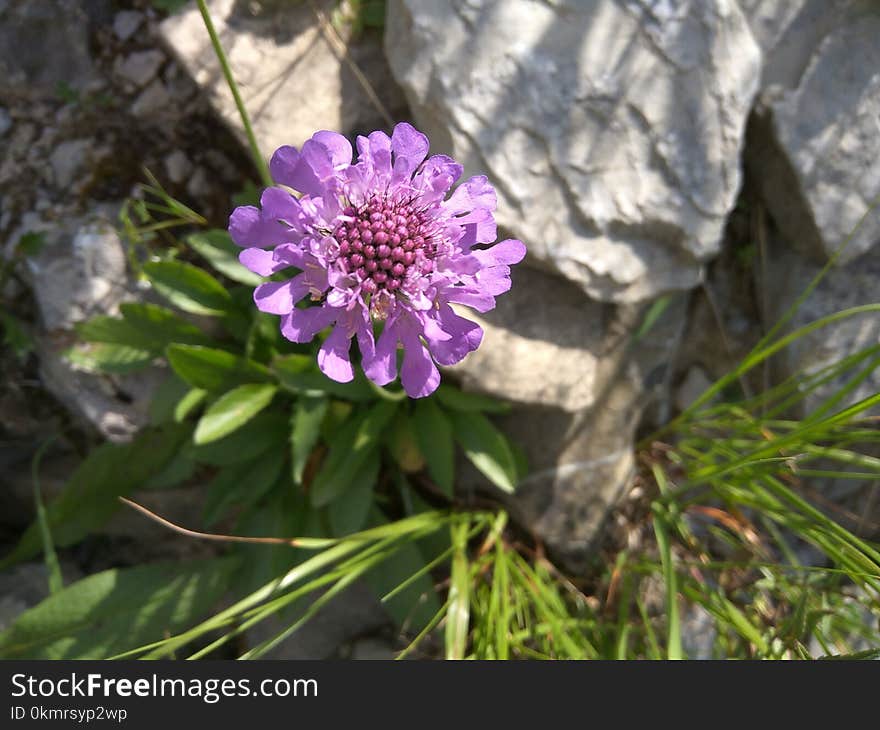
(301, 325)
(419, 374)
(280, 297)
(260, 261)
(410, 147)
(462, 337)
(380, 365)
(338, 147)
(436, 176)
(291, 167)
(509, 251)
(374, 152)
(333, 357)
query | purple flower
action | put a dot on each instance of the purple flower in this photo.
(377, 240)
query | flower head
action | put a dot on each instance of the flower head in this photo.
(377, 240)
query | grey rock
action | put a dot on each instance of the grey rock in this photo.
(814, 150)
(695, 383)
(372, 649)
(81, 272)
(543, 345)
(177, 166)
(44, 44)
(843, 287)
(789, 32)
(698, 632)
(5, 122)
(292, 79)
(26, 585)
(126, 23)
(151, 100)
(579, 387)
(611, 129)
(68, 160)
(353, 613)
(198, 185)
(140, 67)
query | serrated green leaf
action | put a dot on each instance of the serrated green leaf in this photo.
(487, 448)
(299, 374)
(219, 250)
(161, 326)
(89, 498)
(213, 370)
(456, 400)
(349, 450)
(433, 430)
(349, 514)
(188, 287)
(305, 429)
(104, 357)
(117, 610)
(232, 410)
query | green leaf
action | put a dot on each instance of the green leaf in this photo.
(232, 410)
(89, 499)
(218, 249)
(16, 336)
(161, 326)
(188, 403)
(104, 357)
(299, 374)
(305, 429)
(188, 287)
(414, 606)
(116, 331)
(211, 369)
(458, 613)
(267, 431)
(243, 484)
(403, 445)
(652, 315)
(165, 399)
(456, 400)
(487, 449)
(179, 470)
(31, 243)
(350, 449)
(433, 431)
(350, 514)
(670, 582)
(117, 610)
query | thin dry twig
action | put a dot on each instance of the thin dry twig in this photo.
(292, 542)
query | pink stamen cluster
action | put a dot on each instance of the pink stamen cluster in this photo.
(383, 240)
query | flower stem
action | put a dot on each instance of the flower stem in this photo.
(259, 160)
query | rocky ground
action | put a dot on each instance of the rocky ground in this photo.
(711, 154)
(91, 96)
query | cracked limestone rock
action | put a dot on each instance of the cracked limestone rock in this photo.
(293, 80)
(612, 129)
(814, 146)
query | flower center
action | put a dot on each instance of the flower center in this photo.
(385, 241)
